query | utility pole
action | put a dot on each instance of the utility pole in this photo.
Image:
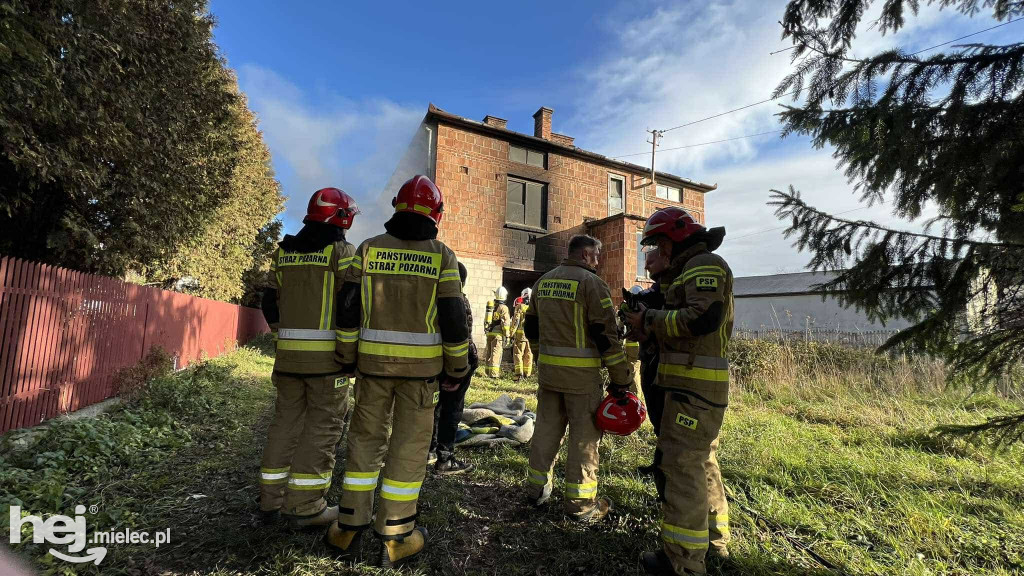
(655, 136)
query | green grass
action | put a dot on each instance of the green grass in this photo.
(839, 462)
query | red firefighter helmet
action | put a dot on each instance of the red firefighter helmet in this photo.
(332, 206)
(621, 415)
(673, 222)
(420, 196)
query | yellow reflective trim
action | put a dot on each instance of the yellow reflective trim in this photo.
(698, 271)
(570, 362)
(631, 344)
(397, 484)
(694, 372)
(309, 487)
(274, 470)
(432, 311)
(606, 303)
(325, 305)
(399, 350)
(684, 531)
(357, 262)
(358, 487)
(306, 345)
(417, 207)
(398, 497)
(670, 324)
(367, 300)
(457, 350)
(362, 474)
(615, 359)
(347, 337)
(320, 476)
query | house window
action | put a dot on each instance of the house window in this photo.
(527, 156)
(616, 194)
(669, 193)
(527, 203)
(641, 257)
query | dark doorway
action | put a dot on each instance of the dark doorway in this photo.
(515, 280)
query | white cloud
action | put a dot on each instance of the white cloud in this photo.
(686, 61)
(352, 145)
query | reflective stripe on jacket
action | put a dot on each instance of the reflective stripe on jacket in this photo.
(307, 284)
(400, 283)
(694, 328)
(573, 306)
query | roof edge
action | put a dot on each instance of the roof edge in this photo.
(433, 112)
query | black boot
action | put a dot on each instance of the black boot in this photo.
(448, 465)
(657, 563)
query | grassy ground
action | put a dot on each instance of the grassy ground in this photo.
(824, 456)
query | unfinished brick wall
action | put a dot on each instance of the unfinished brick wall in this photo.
(472, 171)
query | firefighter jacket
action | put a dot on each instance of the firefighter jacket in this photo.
(306, 285)
(398, 332)
(573, 318)
(519, 322)
(499, 322)
(694, 328)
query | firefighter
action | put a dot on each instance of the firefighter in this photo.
(654, 397)
(497, 325)
(693, 332)
(522, 356)
(404, 329)
(300, 305)
(573, 318)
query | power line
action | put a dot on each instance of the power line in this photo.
(794, 92)
(968, 36)
(702, 143)
(782, 227)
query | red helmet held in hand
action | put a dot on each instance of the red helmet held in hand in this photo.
(332, 206)
(621, 415)
(673, 222)
(420, 196)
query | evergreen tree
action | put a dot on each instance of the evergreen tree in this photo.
(234, 240)
(911, 129)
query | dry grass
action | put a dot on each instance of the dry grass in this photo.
(823, 450)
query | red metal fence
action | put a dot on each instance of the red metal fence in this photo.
(63, 334)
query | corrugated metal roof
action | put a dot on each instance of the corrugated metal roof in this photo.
(797, 283)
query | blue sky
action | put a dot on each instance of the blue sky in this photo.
(340, 88)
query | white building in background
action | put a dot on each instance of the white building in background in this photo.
(790, 303)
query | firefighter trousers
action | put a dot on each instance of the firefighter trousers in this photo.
(409, 403)
(298, 459)
(495, 350)
(555, 411)
(694, 505)
(522, 357)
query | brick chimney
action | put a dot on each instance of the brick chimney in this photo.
(495, 121)
(562, 139)
(542, 123)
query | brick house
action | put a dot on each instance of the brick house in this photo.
(512, 201)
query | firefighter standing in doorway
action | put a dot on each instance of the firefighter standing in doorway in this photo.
(522, 356)
(405, 329)
(573, 318)
(693, 332)
(497, 325)
(300, 304)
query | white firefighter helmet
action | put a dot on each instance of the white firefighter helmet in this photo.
(501, 294)
(636, 289)
(526, 293)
